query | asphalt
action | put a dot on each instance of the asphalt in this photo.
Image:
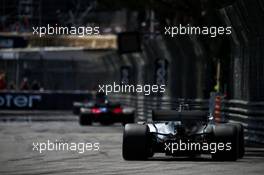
(18, 157)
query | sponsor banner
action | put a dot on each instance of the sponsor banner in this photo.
(41, 100)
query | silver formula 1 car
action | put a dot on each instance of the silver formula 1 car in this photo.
(183, 133)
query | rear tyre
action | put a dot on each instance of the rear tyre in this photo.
(136, 144)
(241, 142)
(85, 119)
(227, 135)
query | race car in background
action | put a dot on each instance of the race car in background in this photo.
(105, 112)
(78, 105)
(99, 98)
(183, 133)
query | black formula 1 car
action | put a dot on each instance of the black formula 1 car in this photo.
(183, 133)
(100, 98)
(105, 112)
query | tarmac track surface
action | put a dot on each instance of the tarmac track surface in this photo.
(17, 155)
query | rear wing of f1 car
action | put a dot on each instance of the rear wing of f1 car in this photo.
(172, 115)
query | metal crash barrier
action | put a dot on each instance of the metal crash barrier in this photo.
(250, 114)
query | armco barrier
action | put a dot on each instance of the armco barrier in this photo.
(250, 114)
(36, 100)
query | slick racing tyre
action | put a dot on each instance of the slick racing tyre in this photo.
(136, 144)
(241, 142)
(85, 119)
(227, 135)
